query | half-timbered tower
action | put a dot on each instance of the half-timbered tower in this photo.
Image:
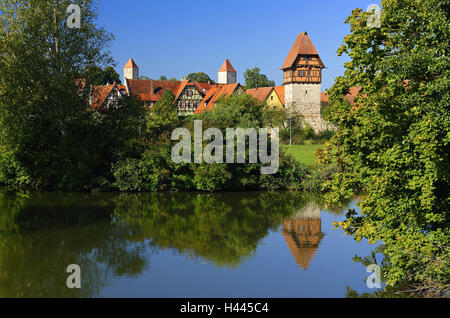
(302, 78)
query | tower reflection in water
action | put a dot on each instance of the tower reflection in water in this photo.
(303, 234)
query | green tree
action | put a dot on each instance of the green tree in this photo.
(95, 75)
(199, 77)
(253, 79)
(165, 78)
(42, 105)
(164, 116)
(394, 143)
(153, 169)
(111, 76)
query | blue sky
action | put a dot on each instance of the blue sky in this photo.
(175, 38)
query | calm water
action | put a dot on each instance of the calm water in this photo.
(176, 245)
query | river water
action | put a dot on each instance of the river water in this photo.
(247, 244)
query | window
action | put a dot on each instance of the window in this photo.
(271, 97)
(190, 105)
(189, 93)
(300, 73)
(183, 104)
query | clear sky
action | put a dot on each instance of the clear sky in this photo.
(175, 38)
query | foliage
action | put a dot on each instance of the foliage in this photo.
(394, 143)
(96, 76)
(117, 235)
(253, 79)
(317, 176)
(200, 77)
(156, 171)
(163, 117)
(223, 228)
(42, 104)
(165, 78)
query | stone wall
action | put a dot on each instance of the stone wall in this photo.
(226, 78)
(304, 99)
(130, 73)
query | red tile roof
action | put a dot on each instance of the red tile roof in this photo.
(131, 64)
(280, 92)
(259, 93)
(302, 46)
(153, 90)
(150, 90)
(122, 89)
(100, 93)
(214, 94)
(263, 92)
(227, 67)
(353, 92)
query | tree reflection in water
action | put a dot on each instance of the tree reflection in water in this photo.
(115, 235)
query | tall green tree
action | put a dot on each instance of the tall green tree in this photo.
(394, 143)
(253, 79)
(163, 117)
(42, 102)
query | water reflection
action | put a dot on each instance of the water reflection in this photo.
(46, 233)
(303, 233)
(113, 236)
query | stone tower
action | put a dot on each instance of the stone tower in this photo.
(302, 78)
(227, 73)
(130, 71)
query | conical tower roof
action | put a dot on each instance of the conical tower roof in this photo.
(302, 46)
(131, 64)
(227, 67)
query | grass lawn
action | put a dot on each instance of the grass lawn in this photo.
(302, 153)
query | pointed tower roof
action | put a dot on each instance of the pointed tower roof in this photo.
(227, 67)
(131, 64)
(302, 46)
